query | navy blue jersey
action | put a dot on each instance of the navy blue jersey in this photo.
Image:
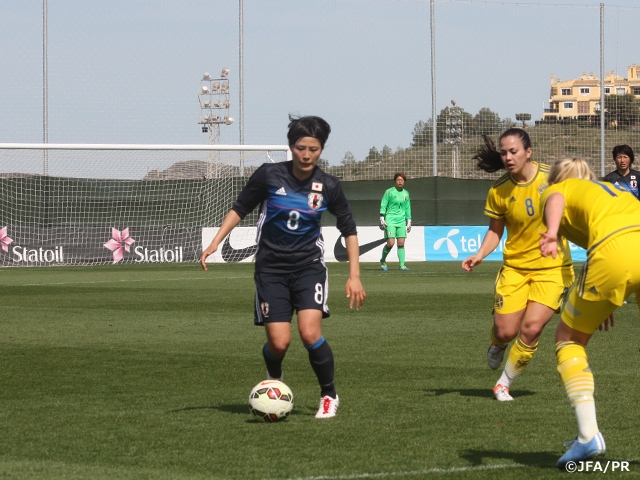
(627, 182)
(289, 234)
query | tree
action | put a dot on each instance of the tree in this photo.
(523, 117)
(323, 164)
(348, 159)
(421, 135)
(486, 122)
(386, 151)
(374, 155)
(621, 110)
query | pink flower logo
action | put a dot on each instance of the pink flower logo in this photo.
(120, 243)
(5, 240)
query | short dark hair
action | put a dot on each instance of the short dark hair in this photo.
(624, 150)
(399, 174)
(315, 127)
(488, 157)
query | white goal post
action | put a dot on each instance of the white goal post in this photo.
(83, 204)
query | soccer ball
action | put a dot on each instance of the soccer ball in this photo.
(271, 400)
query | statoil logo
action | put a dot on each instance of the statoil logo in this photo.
(121, 243)
(25, 254)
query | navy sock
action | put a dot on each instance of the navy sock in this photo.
(321, 359)
(274, 365)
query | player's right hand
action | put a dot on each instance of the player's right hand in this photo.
(383, 224)
(470, 262)
(205, 254)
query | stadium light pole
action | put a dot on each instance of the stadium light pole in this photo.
(241, 81)
(45, 90)
(214, 100)
(602, 99)
(434, 133)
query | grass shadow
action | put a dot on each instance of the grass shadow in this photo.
(530, 459)
(472, 392)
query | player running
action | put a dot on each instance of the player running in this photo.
(528, 288)
(395, 220)
(605, 221)
(290, 273)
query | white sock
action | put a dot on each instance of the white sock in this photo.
(505, 380)
(587, 423)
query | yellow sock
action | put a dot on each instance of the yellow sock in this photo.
(577, 378)
(519, 357)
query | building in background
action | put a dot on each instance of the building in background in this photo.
(580, 98)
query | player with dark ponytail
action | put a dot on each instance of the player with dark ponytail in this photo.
(528, 288)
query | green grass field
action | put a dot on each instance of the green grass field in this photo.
(142, 372)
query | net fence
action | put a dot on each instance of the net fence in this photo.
(107, 204)
(129, 72)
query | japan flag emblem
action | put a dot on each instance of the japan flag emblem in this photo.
(315, 201)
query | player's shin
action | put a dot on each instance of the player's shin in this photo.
(274, 365)
(577, 378)
(321, 359)
(385, 252)
(519, 357)
(401, 255)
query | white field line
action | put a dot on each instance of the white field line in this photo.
(430, 471)
(415, 472)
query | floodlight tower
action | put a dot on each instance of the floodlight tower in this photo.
(454, 134)
(214, 101)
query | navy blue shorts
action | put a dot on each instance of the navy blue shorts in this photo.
(279, 294)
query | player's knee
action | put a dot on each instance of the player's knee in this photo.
(530, 333)
(505, 333)
(278, 347)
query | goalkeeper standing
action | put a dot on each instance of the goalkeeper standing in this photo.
(395, 219)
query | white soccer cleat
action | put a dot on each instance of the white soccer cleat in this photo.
(328, 407)
(501, 393)
(495, 354)
(269, 377)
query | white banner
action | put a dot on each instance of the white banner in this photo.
(241, 244)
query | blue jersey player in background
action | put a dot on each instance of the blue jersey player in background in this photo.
(290, 273)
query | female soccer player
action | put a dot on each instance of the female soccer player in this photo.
(528, 288)
(290, 273)
(624, 176)
(395, 219)
(605, 221)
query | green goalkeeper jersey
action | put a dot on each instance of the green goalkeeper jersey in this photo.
(396, 206)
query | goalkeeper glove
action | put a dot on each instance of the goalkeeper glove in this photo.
(383, 224)
(408, 225)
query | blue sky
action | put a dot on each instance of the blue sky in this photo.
(128, 71)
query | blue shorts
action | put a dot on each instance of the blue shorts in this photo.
(279, 294)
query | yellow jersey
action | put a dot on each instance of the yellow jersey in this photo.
(519, 205)
(594, 212)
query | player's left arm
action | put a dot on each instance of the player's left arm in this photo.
(553, 211)
(354, 289)
(407, 212)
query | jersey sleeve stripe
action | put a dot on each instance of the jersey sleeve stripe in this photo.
(492, 214)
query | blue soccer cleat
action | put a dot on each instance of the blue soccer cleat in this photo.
(383, 266)
(583, 451)
(404, 268)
